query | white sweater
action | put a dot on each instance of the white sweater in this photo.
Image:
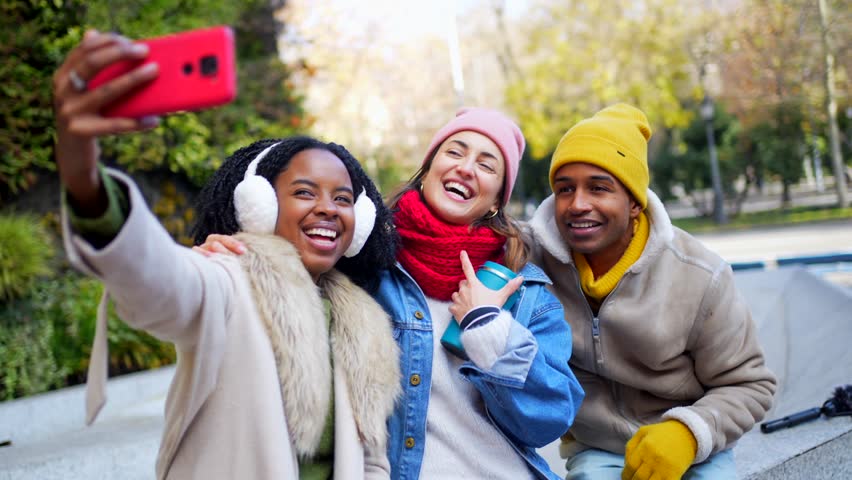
(461, 442)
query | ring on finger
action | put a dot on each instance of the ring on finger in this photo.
(77, 81)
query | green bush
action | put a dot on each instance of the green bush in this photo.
(46, 339)
(28, 365)
(25, 252)
(35, 36)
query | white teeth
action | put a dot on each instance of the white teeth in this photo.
(324, 232)
(583, 225)
(465, 192)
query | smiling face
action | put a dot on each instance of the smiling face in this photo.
(465, 178)
(315, 208)
(594, 213)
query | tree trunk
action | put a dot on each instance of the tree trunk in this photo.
(831, 107)
(742, 196)
(786, 199)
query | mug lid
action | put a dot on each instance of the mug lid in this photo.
(499, 270)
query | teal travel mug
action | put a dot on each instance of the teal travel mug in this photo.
(494, 276)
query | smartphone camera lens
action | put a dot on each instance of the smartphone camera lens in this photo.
(209, 65)
(187, 68)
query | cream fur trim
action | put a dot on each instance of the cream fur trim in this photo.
(361, 338)
(661, 235)
(699, 428)
(661, 224)
(546, 233)
(363, 344)
(289, 304)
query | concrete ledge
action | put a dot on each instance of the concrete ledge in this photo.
(51, 441)
(39, 417)
(829, 460)
(124, 448)
(803, 323)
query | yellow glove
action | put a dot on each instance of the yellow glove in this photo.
(662, 450)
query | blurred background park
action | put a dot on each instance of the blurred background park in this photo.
(749, 100)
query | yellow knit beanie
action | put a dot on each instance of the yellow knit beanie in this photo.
(614, 139)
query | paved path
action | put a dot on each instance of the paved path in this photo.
(761, 244)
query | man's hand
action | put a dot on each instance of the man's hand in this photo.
(661, 451)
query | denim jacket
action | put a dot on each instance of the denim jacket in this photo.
(530, 393)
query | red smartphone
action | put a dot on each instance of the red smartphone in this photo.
(197, 71)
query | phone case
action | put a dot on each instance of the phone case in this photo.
(197, 71)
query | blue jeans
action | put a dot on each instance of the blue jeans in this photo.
(593, 464)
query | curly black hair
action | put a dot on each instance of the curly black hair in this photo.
(216, 212)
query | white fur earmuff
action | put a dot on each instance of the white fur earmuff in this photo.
(255, 200)
(365, 220)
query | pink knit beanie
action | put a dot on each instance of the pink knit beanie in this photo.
(494, 125)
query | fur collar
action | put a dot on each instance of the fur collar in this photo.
(546, 234)
(290, 305)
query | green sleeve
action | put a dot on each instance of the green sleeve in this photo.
(101, 230)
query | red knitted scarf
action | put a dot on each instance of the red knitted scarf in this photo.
(431, 247)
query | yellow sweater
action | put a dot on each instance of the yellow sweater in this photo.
(598, 288)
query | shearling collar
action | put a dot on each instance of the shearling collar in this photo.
(546, 234)
(361, 339)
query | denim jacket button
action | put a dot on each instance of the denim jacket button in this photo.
(409, 442)
(415, 379)
(418, 315)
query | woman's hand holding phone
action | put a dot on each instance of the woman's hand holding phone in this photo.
(79, 121)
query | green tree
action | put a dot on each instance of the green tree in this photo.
(533, 178)
(33, 38)
(780, 146)
(683, 161)
(36, 34)
(775, 63)
(583, 55)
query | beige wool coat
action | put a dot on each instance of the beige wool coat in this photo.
(251, 389)
(673, 340)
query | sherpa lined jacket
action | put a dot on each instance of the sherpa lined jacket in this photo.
(674, 339)
(252, 383)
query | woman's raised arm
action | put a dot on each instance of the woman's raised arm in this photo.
(78, 119)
